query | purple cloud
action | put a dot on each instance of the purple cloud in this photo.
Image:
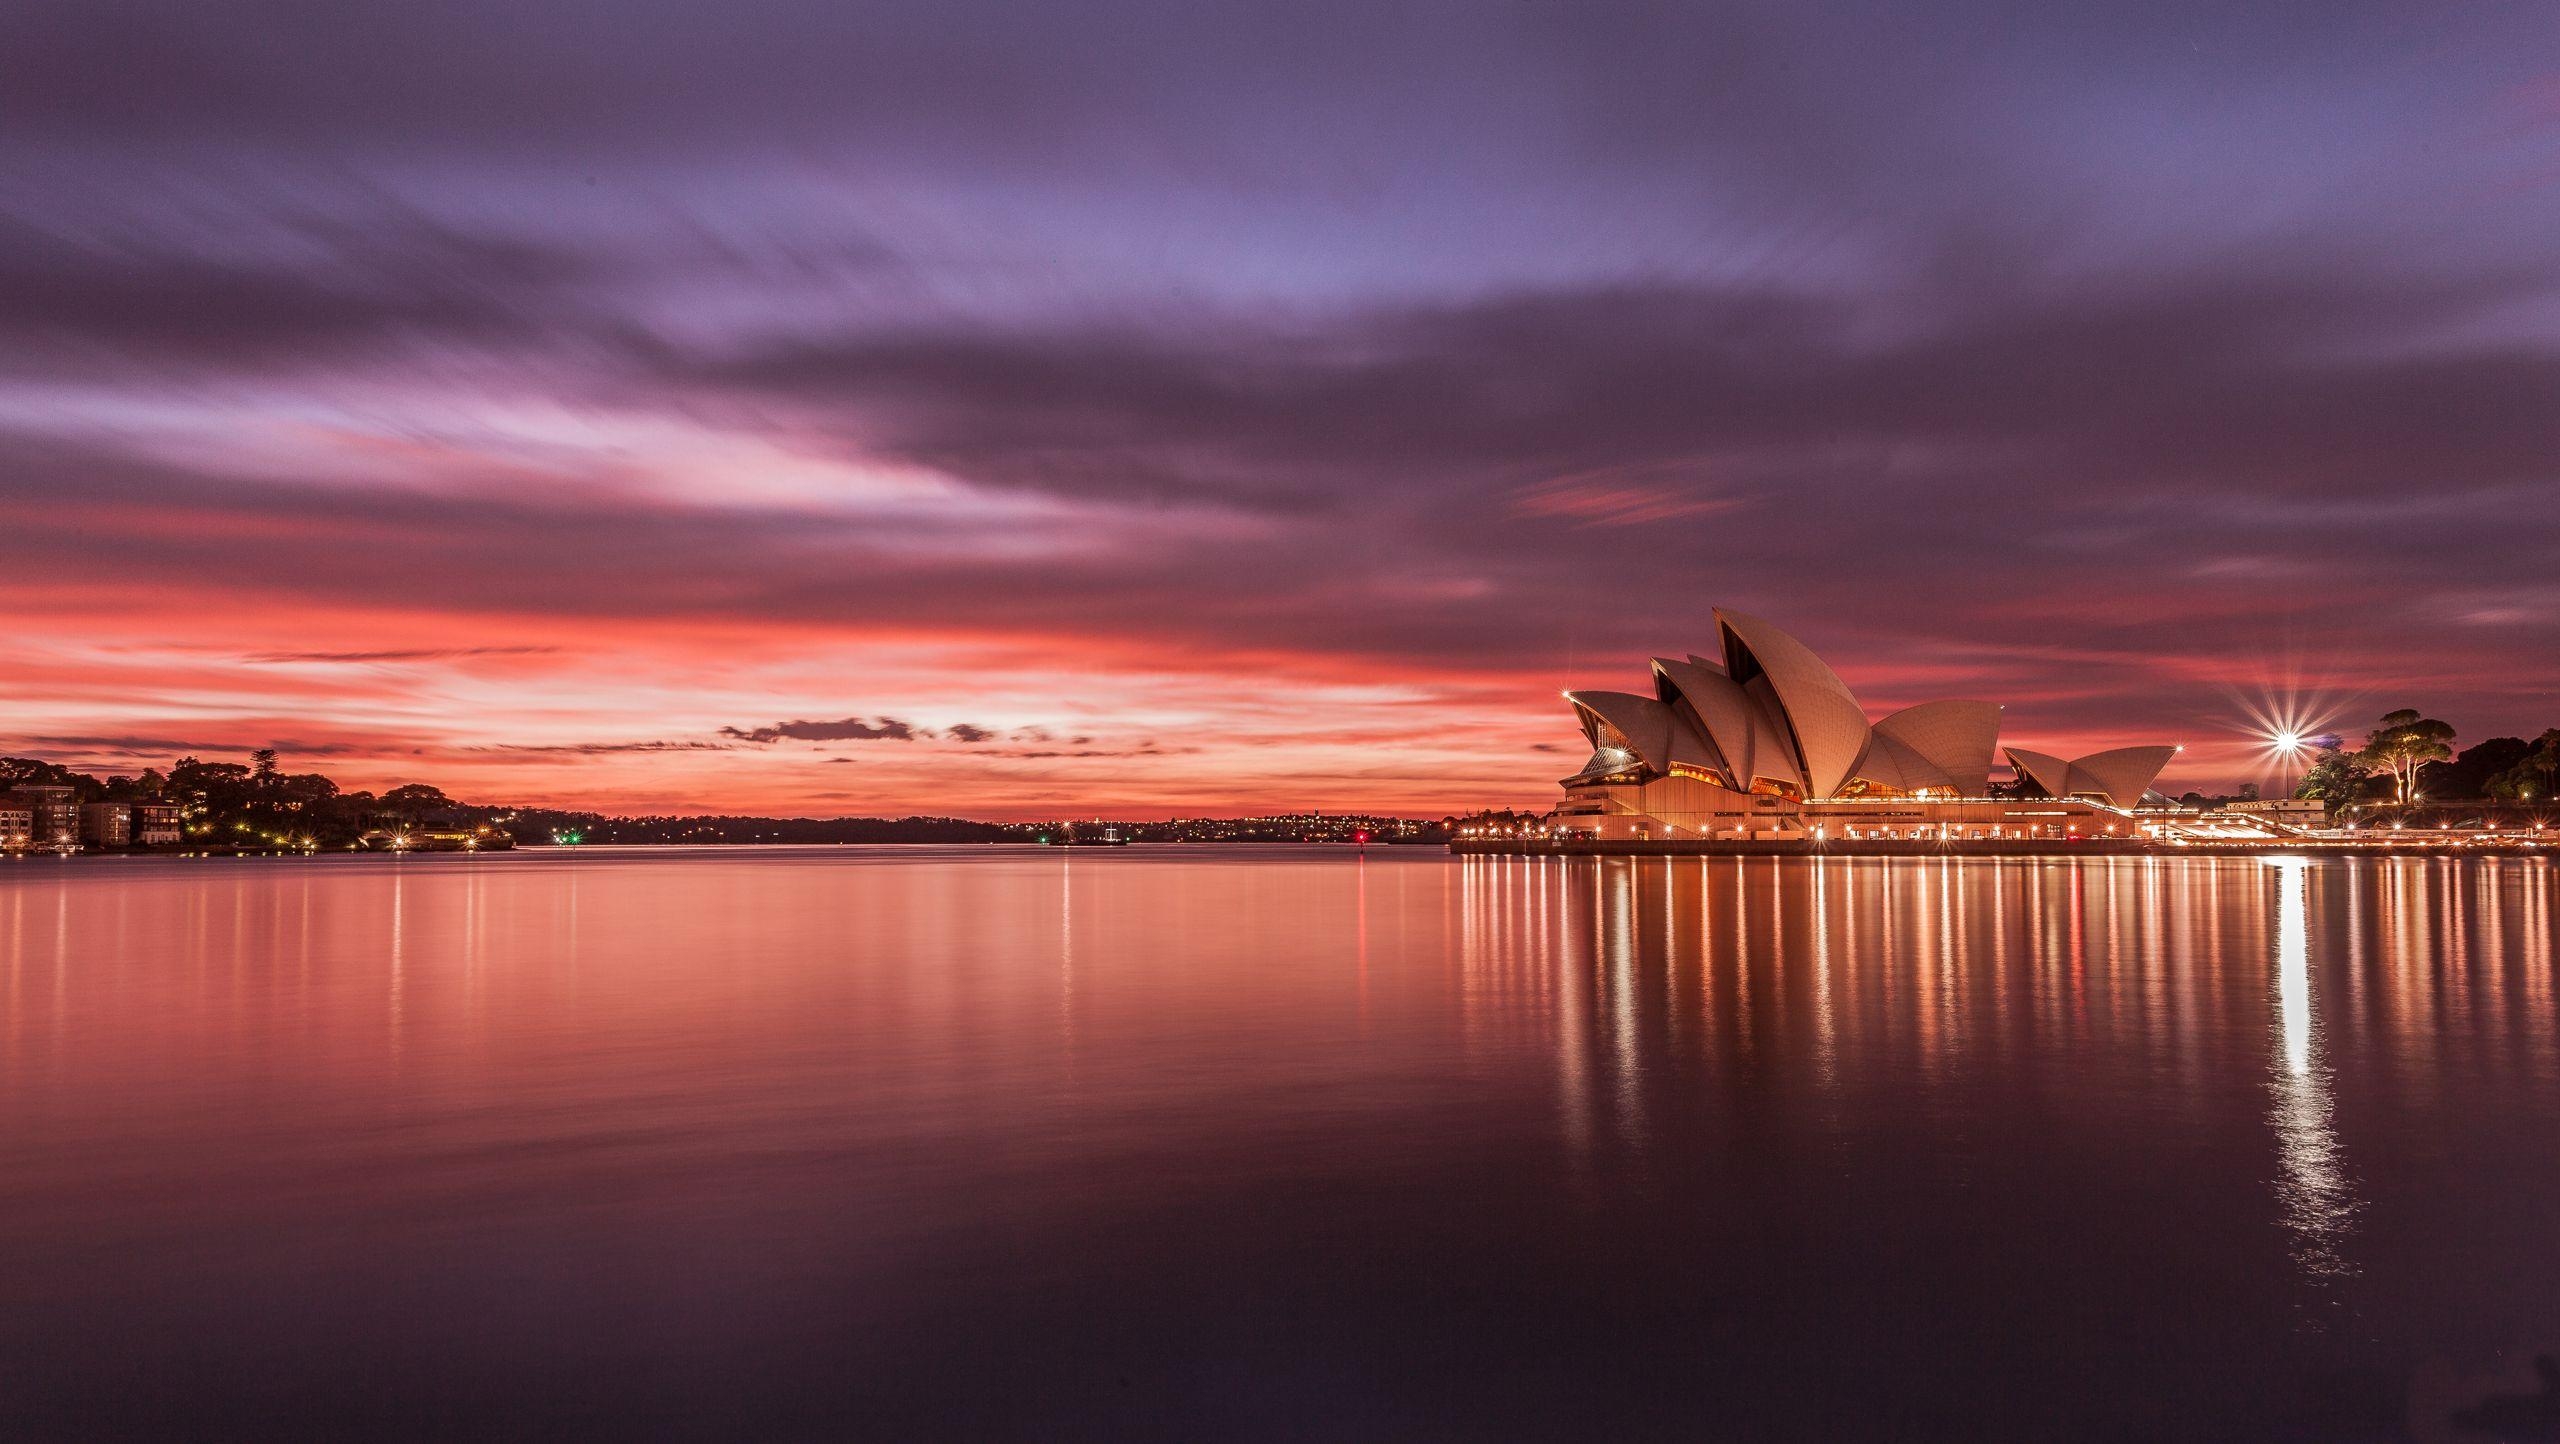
(847, 729)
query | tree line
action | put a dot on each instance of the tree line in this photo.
(2409, 758)
(259, 807)
(254, 805)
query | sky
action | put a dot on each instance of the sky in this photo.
(1014, 410)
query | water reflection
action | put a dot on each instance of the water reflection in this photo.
(913, 1126)
(1815, 988)
(2317, 1205)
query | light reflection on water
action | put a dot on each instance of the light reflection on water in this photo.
(2318, 1205)
(809, 1141)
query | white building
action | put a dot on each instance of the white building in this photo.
(1769, 742)
(2301, 811)
(157, 822)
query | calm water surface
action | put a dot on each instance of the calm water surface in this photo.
(1181, 1143)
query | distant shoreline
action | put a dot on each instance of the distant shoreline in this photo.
(1982, 850)
(1989, 847)
(575, 849)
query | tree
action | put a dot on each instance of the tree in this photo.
(306, 787)
(2404, 743)
(189, 773)
(30, 772)
(220, 786)
(415, 795)
(262, 767)
(2336, 776)
(2535, 775)
(2469, 774)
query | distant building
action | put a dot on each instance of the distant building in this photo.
(158, 822)
(55, 808)
(1767, 742)
(2284, 809)
(106, 824)
(483, 838)
(17, 824)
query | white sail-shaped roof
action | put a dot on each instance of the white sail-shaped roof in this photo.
(1891, 762)
(1646, 727)
(1774, 713)
(1675, 682)
(1957, 739)
(1690, 748)
(1822, 716)
(1773, 757)
(2122, 775)
(1639, 725)
(1754, 744)
(2049, 773)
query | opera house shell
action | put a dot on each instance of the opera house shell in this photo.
(1766, 739)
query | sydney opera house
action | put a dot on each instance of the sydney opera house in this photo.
(1766, 741)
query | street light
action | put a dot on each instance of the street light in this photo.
(2287, 745)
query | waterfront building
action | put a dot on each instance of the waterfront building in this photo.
(158, 822)
(54, 809)
(2300, 811)
(2117, 778)
(17, 825)
(404, 838)
(1765, 741)
(106, 824)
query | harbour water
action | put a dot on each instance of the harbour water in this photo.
(1184, 1143)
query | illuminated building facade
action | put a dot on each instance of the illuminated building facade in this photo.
(106, 824)
(1766, 741)
(54, 814)
(157, 822)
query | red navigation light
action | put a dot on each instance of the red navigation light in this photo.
(1360, 837)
